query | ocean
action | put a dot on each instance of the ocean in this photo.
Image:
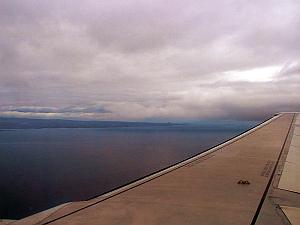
(41, 168)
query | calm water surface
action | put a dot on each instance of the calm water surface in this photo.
(41, 168)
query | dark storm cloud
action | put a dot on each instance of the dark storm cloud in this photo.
(149, 59)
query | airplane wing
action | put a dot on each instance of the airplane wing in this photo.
(253, 178)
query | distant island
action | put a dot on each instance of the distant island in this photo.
(25, 123)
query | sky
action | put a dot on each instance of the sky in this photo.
(141, 60)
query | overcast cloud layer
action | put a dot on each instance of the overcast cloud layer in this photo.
(149, 60)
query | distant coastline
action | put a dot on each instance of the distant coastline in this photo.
(26, 123)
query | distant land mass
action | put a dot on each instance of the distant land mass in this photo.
(25, 123)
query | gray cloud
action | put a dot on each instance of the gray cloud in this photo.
(70, 109)
(136, 60)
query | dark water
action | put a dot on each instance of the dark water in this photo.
(41, 168)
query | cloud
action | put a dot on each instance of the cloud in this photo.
(64, 112)
(136, 60)
(96, 109)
